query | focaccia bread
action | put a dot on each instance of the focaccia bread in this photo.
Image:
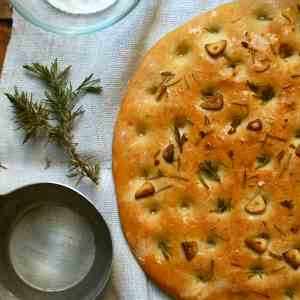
(206, 155)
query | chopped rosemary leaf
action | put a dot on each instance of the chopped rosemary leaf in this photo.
(262, 161)
(289, 204)
(180, 139)
(256, 270)
(55, 116)
(253, 87)
(297, 133)
(223, 205)
(290, 293)
(264, 92)
(211, 239)
(267, 93)
(213, 29)
(209, 169)
(205, 277)
(165, 249)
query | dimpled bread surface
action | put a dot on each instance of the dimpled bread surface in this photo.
(206, 155)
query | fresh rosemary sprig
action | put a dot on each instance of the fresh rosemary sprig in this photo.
(55, 115)
(30, 116)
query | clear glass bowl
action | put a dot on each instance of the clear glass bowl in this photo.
(44, 15)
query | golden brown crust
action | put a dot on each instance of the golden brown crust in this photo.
(205, 157)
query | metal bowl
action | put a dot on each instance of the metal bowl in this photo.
(54, 244)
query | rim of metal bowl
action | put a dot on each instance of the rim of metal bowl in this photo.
(71, 31)
(108, 274)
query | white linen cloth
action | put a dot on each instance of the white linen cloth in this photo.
(113, 54)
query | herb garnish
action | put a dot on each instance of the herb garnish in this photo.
(267, 93)
(253, 87)
(286, 165)
(211, 239)
(290, 293)
(256, 270)
(279, 230)
(223, 205)
(160, 174)
(165, 249)
(212, 29)
(207, 276)
(260, 294)
(180, 139)
(264, 92)
(263, 16)
(165, 188)
(231, 157)
(289, 204)
(55, 116)
(209, 169)
(280, 156)
(297, 133)
(262, 161)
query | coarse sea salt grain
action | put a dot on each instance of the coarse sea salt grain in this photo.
(82, 6)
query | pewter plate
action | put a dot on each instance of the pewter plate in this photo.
(54, 244)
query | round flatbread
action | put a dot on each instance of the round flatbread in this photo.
(206, 155)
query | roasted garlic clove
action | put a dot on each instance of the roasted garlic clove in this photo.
(257, 244)
(256, 206)
(214, 102)
(255, 125)
(292, 257)
(261, 66)
(168, 154)
(216, 49)
(260, 62)
(190, 249)
(146, 190)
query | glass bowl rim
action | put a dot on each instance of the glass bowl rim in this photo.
(71, 31)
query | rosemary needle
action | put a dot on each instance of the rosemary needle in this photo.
(55, 116)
